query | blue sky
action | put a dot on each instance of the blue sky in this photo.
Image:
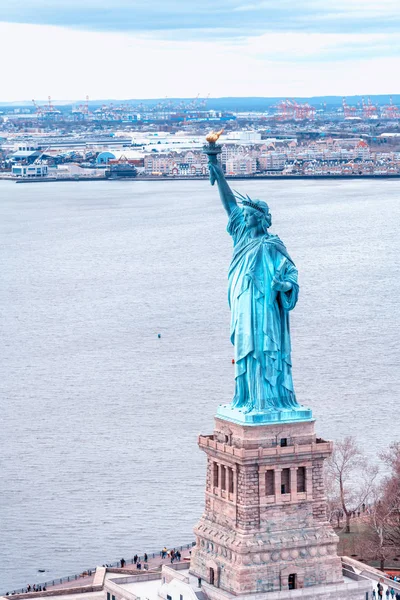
(132, 48)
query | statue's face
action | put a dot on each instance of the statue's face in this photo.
(251, 217)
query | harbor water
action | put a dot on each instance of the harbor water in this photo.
(115, 351)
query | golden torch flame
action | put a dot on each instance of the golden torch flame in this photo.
(213, 136)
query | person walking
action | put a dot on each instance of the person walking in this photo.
(135, 559)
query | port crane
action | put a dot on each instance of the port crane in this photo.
(391, 111)
(370, 111)
(304, 112)
(38, 109)
(290, 110)
(349, 111)
(47, 111)
(82, 109)
(203, 103)
(285, 110)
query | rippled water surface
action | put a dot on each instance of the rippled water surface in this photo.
(100, 416)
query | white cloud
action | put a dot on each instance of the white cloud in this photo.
(68, 64)
(297, 46)
(362, 7)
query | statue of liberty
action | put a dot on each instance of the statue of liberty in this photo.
(263, 289)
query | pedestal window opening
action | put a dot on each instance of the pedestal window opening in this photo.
(223, 477)
(285, 481)
(269, 483)
(230, 480)
(215, 474)
(301, 479)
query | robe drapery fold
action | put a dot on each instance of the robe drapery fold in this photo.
(260, 319)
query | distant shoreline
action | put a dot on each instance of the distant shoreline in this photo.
(194, 178)
(182, 178)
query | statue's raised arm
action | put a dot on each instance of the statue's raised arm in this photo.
(216, 172)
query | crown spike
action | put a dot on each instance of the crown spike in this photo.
(238, 194)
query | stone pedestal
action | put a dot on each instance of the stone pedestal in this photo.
(265, 528)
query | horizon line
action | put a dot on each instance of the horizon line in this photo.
(208, 98)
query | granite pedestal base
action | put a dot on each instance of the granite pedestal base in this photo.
(264, 528)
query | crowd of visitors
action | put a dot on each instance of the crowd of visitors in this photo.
(29, 588)
(390, 594)
(171, 554)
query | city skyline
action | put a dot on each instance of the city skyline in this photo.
(235, 48)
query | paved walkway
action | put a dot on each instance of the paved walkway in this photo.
(85, 580)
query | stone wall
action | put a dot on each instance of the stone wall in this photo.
(248, 505)
(344, 591)
(263, 435)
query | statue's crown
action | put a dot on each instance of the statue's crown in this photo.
(255, 206)
(247, 201)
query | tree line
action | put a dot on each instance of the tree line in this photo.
(365, 501)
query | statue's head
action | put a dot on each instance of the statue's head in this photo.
(255, 212)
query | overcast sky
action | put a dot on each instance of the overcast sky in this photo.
(179, 48)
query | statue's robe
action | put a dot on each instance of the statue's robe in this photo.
(260, 319)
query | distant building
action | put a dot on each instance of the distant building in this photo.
(104, 157)
(272, 161)
(230, 151)
(25, 156)
(174, 163)
(362, 150)
(111, 156)
(29, 170)
(156, 164)
(241, 165)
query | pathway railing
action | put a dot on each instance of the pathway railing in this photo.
(89, 572)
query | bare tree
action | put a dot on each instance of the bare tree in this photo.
(353, 475)
(390, 497)
(333, 504)
(375, 542)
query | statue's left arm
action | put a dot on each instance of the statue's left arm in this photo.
(285, 283)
